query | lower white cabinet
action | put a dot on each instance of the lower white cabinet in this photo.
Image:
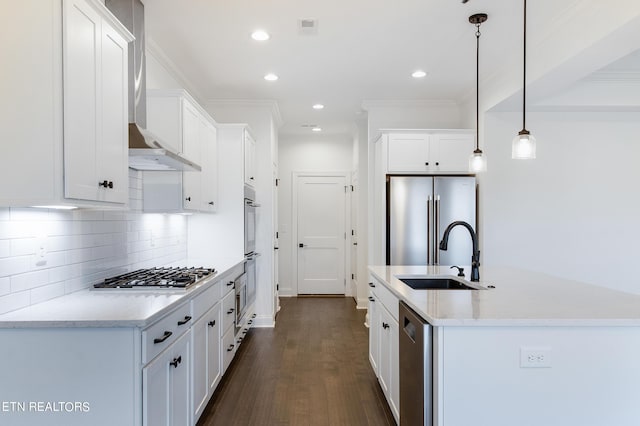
(384, 342)
(166, 386)
(206, 358)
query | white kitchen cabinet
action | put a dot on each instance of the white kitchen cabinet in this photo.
(249, 159)
(374, 344)
(166, 386)
(69, 129)
(181, 124)
(206, 356)
(384, 342)
(429, 151)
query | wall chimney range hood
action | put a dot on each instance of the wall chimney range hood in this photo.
(146, 151)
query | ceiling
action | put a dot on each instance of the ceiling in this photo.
(362, 50)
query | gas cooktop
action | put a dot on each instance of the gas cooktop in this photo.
(157, 278)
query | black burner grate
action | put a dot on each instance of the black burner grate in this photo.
(157, 278)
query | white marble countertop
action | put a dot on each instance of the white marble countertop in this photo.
(111, 308)
(520, 298)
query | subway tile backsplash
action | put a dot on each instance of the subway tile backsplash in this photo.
(49, 253)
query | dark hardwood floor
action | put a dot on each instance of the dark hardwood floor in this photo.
(311, 369)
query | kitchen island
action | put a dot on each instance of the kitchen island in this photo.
(121, 356)
(534, 350)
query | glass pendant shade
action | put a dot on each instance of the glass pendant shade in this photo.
(477, 162)
(523, 146)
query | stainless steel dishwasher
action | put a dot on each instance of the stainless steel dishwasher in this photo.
(415, 369)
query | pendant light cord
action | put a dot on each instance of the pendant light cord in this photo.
(524, 68)
(477, 87)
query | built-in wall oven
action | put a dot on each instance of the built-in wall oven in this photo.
(249, 220)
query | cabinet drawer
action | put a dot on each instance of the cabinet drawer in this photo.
(229, 277)
(384, 296)
(228, 349)
(228, 311)
(163, 333)
(208, 298)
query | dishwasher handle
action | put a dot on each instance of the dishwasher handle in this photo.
(409, 329)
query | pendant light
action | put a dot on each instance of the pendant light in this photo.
(523, 146)
(477, 160)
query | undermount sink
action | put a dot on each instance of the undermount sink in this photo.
(435, 283)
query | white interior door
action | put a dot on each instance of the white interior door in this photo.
(321, 234)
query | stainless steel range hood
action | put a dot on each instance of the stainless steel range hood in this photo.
(146, 151)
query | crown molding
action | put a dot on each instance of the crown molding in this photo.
(268, 104)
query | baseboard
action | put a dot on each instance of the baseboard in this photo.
(263, 321)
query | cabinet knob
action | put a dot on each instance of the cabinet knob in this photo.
(210, 203)
(371, 299)
(426, 164)
(230, 283)
(230, 311)
(437, 163)
(106, 184)
(230, 348)
(176, 361)
(372, 285)
(385, 325)
(188, 198)
(212, 323)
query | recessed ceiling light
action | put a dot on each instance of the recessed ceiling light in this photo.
(318, 106)
(260, 35)
(316, 129)
(271, 77)
(418, 74)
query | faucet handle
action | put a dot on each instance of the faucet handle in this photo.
(460, 270)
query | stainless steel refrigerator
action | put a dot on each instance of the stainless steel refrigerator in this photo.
(419, 208)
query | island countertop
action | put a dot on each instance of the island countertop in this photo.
(520, 298)
(110, 308)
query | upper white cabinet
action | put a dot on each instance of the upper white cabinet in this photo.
(249, 159)
(186, 128)
(428, 151)
(67, 128)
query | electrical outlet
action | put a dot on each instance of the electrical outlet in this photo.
(535, 357)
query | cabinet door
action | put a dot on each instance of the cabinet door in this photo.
(95, 106)
(112, 149)
(206, 358)
(214, 366)
(374, 333)
(192, 186)
(384, 365)
(408, 153)
(452, 151)
(249, 159)
(165, 386)
(180, 381)
(209, 168)
(155, 392)
(81, 65)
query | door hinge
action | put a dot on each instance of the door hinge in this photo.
(352, 188)
(277, 235)
(353, 232)
(345, 188)
(277, 287)
(277, 182)
(352, 276)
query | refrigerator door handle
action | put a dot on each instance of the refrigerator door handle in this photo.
(436, 231)
(429, 230)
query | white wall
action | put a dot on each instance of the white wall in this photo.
(81, 247)
(313, 153)
(573, 212)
